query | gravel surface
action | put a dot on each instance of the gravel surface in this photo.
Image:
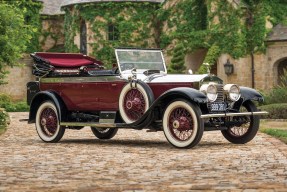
(137, 161)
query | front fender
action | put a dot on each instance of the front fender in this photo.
(42, 96)
(250, 94)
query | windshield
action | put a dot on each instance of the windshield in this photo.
(140, 59)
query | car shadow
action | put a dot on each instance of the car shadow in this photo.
(142, 143)
(119, 142)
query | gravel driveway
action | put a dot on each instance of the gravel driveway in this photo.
(137, 161)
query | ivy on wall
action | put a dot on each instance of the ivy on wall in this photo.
(220, 26)
(134, 21)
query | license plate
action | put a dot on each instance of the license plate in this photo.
(218, 107)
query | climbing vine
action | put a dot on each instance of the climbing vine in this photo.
(134, 21)
(220, 26)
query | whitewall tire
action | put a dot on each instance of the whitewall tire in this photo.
(182, 125)
(47, 123)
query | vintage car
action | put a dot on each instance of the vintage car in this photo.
(73, 91)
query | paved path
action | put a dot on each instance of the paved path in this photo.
(137, 161)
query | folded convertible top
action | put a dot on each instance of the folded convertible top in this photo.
(65, 60)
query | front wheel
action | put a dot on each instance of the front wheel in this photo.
(247, 130)
(104, 133)
(47, 123)
(182, 125)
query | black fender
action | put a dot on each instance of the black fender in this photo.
(42, 96)
(250, 94)
(189, 94)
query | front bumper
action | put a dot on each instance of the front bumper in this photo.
(206, 116)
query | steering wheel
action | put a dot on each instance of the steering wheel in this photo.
(127, 66)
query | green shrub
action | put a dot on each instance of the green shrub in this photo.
(276, 95)
(10, 106)
(4, 120)
(276, 111)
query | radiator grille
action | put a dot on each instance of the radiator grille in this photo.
(220, 95)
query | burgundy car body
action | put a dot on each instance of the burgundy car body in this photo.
(74, 91)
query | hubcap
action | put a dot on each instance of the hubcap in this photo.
(180, 124)
(134, 104)
(48, 122)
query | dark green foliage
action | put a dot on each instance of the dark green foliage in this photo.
(276, 95)
(276, 111)
(178, 60)
(11, 106)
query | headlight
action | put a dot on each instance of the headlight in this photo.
(210, 90)
(233, 91)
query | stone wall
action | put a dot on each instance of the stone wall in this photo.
(52, 32)
(266, 67)
(17, 79)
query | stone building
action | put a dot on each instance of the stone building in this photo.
(95, 27)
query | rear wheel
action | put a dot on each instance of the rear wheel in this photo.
(104, 133)
(247, 130)
(182, 125)
(47, 123)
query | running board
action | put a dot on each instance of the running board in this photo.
(233, 114)
(92, 124)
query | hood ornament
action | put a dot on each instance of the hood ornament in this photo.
(207, 68)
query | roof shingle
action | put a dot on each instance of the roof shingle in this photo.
(52, 7)
(279, 33)
(72, 2)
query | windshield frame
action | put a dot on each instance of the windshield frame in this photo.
(139, 50)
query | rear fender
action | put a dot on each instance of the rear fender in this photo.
(42, 96)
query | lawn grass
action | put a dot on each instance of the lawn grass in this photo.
(276, 129)
(280, 134)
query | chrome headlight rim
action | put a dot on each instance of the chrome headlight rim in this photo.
(210, 90)
(232, 91)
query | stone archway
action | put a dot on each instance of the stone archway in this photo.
(281, 66)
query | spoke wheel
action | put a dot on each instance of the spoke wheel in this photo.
(247, 130)
(182, 125)
(104, 133)
(134, 101)
(47, 123)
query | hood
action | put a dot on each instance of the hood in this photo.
(166, 78)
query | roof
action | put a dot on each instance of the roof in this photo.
(72, 2)
(279, 33)
(51, 7)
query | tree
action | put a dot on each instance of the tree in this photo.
(178, 60)
(14, 36)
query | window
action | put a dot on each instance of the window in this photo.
(83, 38)
(113, 33)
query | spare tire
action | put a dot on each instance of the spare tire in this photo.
(135, 99)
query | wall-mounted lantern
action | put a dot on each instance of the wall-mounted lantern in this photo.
(228, 68)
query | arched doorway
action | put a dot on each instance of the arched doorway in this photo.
(83, 37)
(282, 66)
